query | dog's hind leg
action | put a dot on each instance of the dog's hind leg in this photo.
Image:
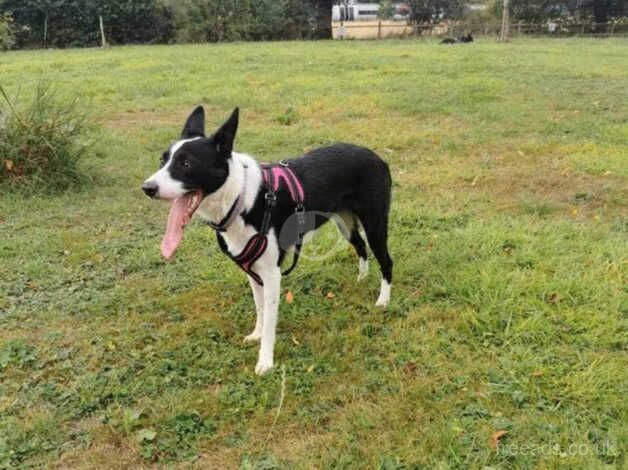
(349, 227)
(258, 296)
(376, 228)
(360, 246)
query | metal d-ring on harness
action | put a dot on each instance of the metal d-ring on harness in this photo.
(273, 175)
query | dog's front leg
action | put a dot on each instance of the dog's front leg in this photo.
(272, 287)
(258, 296)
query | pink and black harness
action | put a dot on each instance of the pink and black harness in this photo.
(274, 176)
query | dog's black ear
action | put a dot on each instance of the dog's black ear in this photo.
(195, 124)
(224, 137)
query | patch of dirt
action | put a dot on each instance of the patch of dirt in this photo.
(144, 118)
(107, 451)
(173, 117)
(513, 182)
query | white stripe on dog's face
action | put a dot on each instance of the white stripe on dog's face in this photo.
(169, 188)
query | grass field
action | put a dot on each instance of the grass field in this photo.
(509, 232)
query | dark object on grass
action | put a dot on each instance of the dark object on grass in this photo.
(449, 40)
(467, 38)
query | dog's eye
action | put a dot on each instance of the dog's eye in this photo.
(185, 164)
(164, 159)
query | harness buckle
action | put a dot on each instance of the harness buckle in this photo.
(300, 212)
(283, 163)
(271, 199)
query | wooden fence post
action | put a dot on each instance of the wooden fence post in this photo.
(46, 30)
(102, 32)
(505, 31)
(379, 29)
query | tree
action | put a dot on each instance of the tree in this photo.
(600, 10)
(45, 7)
(322, 18)
(433, 11)
(7, 35)
(67, 23)
(539, 11)
(386, 10)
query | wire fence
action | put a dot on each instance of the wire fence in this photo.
(384, 29)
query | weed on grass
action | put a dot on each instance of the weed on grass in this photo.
(42, 143)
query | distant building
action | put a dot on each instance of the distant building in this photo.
(356, 10)
(471, 7)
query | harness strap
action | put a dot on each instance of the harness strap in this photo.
(254, 249)
(234, 211)
(273, 176)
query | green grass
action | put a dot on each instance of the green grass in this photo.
(508, 230)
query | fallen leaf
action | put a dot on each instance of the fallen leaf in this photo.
(575, 211)
(537, 373)
(409, 367)
(496, 436)
(8, 164)
(146, 435)
(457, 429)
(552, 298)
(133, 415)
(521, 154)
(311, 368)
(330, 295)
(475, 180)
(295, 341)
(289, 297)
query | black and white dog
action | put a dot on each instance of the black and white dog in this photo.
(229, 190)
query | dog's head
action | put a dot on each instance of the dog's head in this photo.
(194, 162)
(192, 168)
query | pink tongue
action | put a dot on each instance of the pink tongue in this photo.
(176, 222)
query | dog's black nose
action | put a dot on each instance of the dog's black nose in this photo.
(150, 188)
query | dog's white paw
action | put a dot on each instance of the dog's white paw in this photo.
(363, 269)
(263, 366)
(384, 295)
(381, 303)
(253, 337)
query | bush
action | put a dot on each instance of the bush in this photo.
(42, 143)
(256, 20)
(75, 23)
(386, 10)
(7, 34)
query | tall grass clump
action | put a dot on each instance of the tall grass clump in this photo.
(42, 142)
